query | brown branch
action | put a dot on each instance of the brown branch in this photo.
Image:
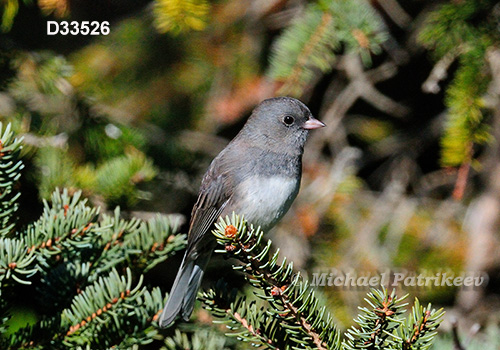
(396, 13)
(361, 84)
(439, 72)
(365, 85)
(463, 174)
(277, 288)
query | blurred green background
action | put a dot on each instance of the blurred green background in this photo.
(404, 178)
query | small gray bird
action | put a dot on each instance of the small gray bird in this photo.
(257, 175)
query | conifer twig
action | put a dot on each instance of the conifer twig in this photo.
(278, 288)
(463, 174)
(294, 307)
(294, 79)
(439, 72)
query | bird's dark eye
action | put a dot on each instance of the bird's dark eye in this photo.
(288, 120)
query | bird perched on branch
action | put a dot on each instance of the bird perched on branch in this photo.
(257, 175)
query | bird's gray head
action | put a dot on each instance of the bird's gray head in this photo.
(281, 121)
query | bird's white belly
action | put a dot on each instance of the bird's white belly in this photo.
(264, 200)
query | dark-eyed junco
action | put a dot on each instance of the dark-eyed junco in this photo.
(257, 175)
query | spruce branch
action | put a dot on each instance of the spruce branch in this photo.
(382, 326)
(378, 323)
(311, 42)
(247, 321)
(10, 171)
(66, 221)
(70, 249)
(69, 228)
(466, 120)
(140, 244)
(106, 308)
(420, 327)
(143, 244)
(154, 241)
(15, 261)
(110, 312)
(294, 316)
(300, 74)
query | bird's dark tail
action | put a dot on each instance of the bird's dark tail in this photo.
(185, 288)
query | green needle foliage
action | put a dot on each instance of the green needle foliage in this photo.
(377, 324)
(419, 330)
(287, 314)
(10, 171)
(82, 270)
(465, 30)
(180, 16)
(114, 309)
(71, 261)
(312, 40)
(382, 325)
(73, 143)
(9, 12)
(203, 339)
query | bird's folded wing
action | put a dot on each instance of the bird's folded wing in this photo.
(212, 200)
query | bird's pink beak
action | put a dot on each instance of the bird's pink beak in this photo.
(313, 123)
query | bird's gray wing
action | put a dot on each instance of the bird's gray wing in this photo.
(213, 197)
